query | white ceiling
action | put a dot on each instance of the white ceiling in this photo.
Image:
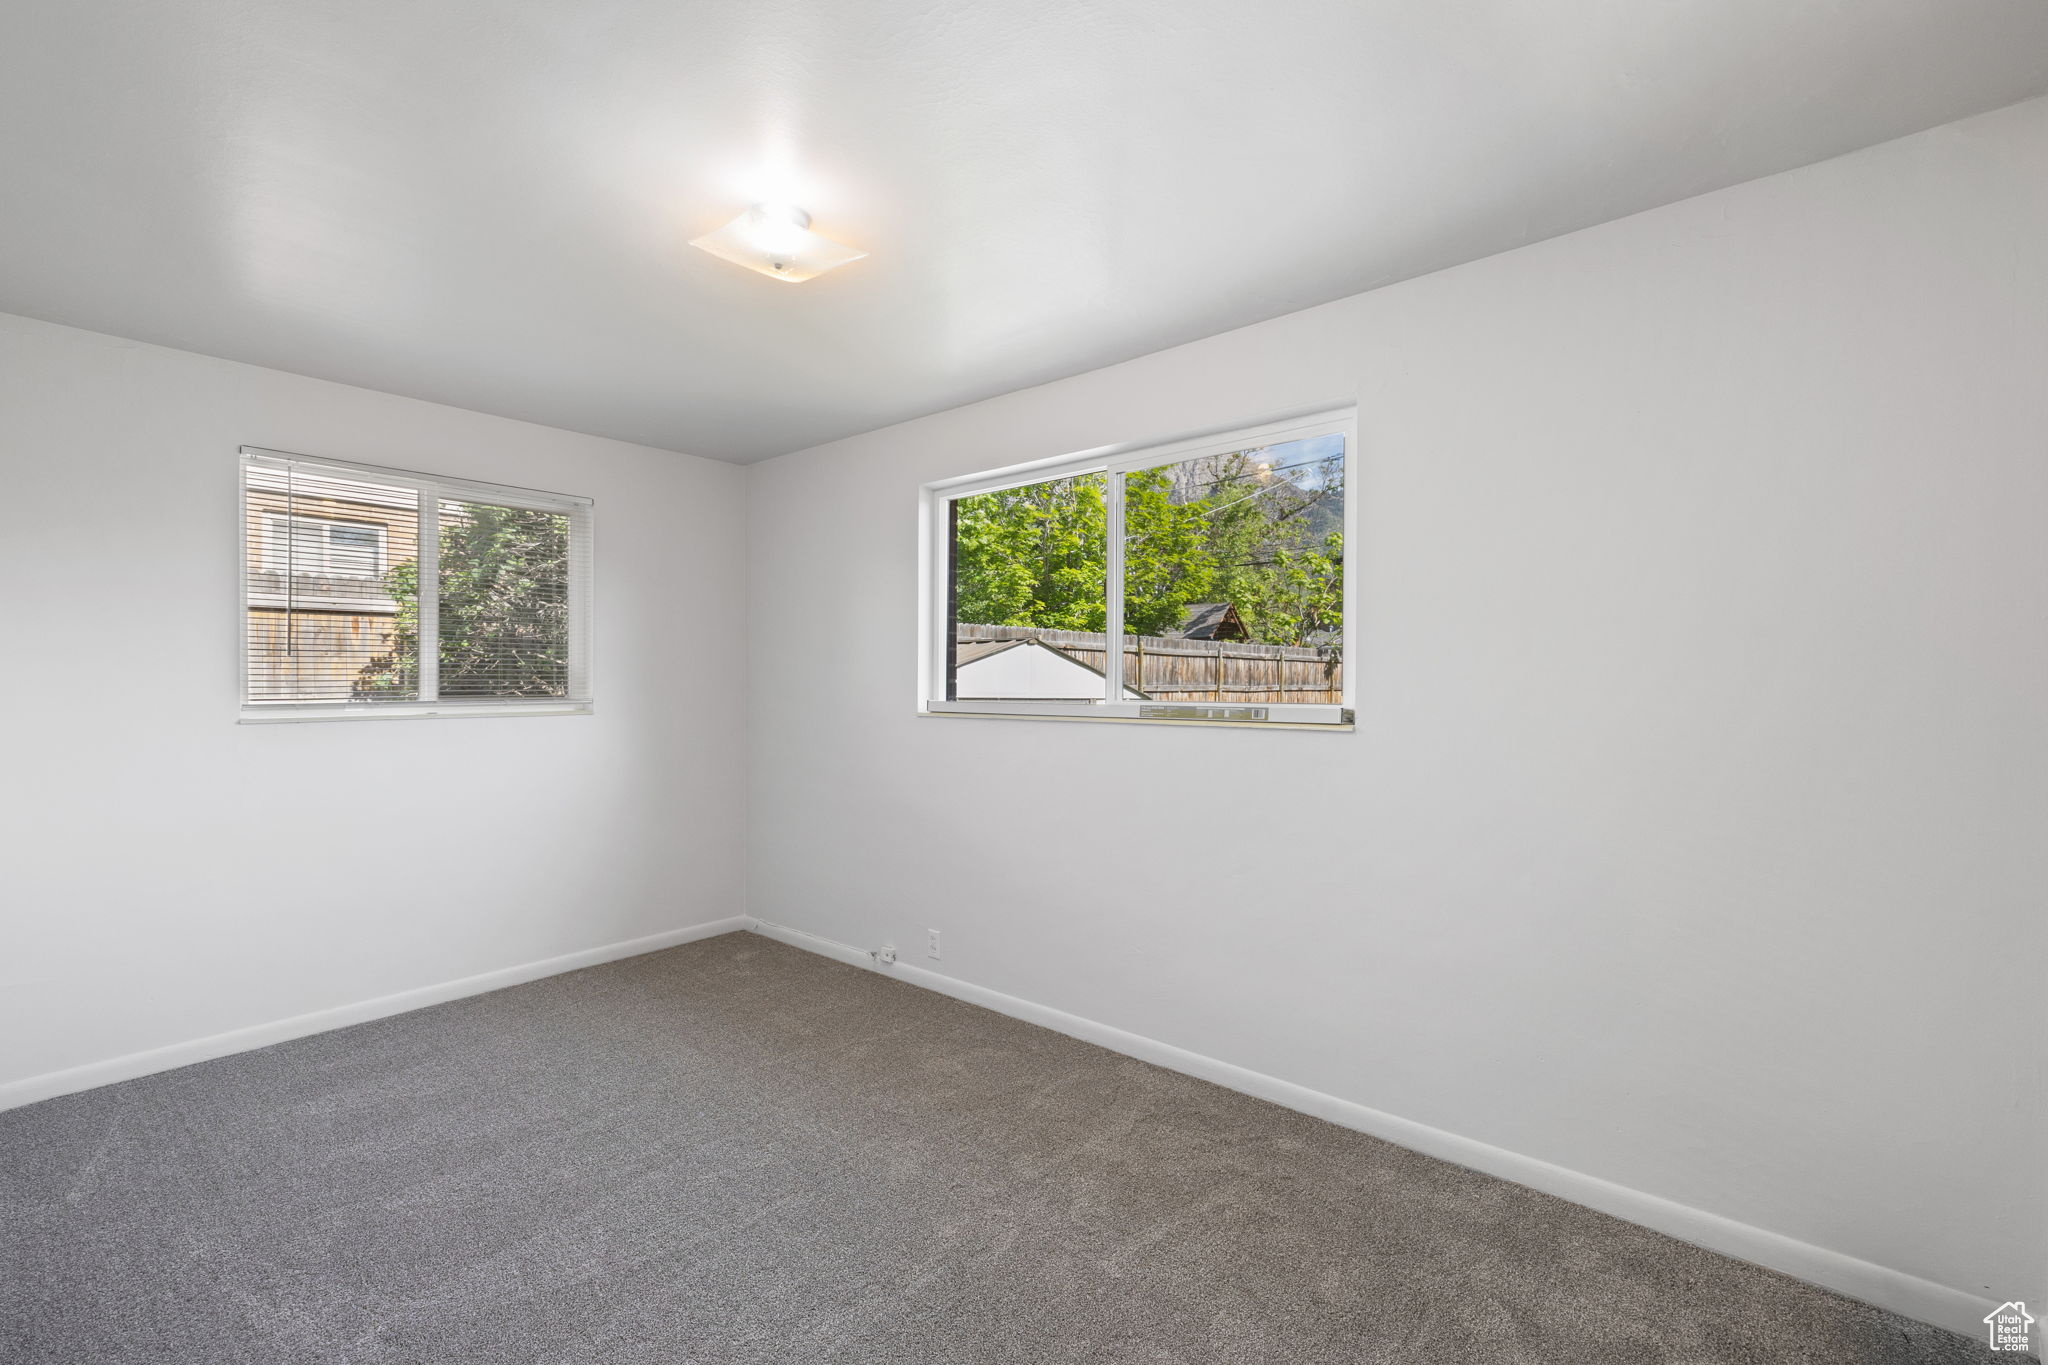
(487, 202)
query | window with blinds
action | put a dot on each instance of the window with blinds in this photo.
(379, 592)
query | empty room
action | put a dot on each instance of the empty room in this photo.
(1162, 682)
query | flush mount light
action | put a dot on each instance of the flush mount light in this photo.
(776, 239)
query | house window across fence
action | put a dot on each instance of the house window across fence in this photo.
(383, 592)
(1200, 580)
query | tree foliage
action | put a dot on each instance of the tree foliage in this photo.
(1265, 537)
(1033, 556)
(503, 608)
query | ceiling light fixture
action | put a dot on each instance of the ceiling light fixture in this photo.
(776, 239)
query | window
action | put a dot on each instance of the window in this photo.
(1215, 565)
(343, 585)
(336, 549)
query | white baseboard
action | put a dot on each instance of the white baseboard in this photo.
(128, 1067)
(1894, 1290)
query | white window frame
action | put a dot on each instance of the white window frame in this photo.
(935, 551)
(429, 490)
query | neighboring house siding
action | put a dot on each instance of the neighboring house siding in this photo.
(312, 630)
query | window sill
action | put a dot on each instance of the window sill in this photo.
(1332, 727)
(288, 715)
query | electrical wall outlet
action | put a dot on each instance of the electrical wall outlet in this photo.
(931, 943)
(886, 955)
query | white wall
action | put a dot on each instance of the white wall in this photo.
(167, 874)
(1691, 837)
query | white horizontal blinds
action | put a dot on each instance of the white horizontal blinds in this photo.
(330, 562)
(343, 590)
(507, 609)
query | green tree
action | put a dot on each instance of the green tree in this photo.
(1239, 528)
(1170, 561)
(1033, 556)
(503, 608)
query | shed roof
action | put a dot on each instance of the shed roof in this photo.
(1213, 621)
(969, 651)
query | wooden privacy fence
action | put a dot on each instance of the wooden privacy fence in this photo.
(1170, 669)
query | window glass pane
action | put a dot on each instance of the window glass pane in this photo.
(1029, 604)
(1233, 576)
(352, 550)
(504, 601)
(327, 616)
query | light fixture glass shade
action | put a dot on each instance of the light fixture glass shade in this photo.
(777, 241)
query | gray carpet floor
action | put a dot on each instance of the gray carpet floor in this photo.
(735, 1152)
